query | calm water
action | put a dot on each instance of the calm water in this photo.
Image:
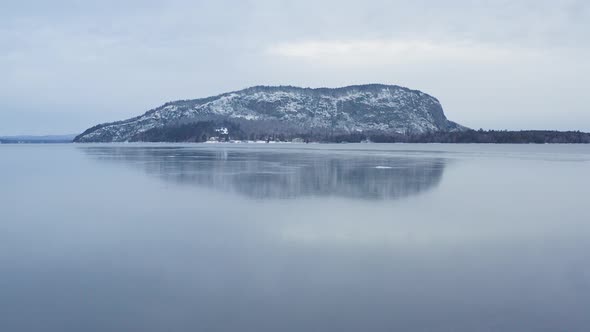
(294, 238)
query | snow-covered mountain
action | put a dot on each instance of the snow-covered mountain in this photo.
(371, 108)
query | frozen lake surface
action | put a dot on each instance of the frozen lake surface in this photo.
(265, 237)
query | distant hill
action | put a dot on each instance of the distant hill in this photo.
(37, 139)
(289, 112)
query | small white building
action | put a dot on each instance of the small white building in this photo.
(222, 131)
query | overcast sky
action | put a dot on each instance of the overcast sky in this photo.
(66, 65)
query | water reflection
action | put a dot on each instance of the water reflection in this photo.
(282, 173)
(90, 242)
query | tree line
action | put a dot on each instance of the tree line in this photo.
(204, 130)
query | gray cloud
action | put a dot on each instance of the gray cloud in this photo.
(493, 64)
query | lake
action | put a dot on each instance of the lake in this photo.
(289, 237)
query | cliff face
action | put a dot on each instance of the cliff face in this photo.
(364, 108)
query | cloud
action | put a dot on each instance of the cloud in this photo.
(386, 51)
(108, 60)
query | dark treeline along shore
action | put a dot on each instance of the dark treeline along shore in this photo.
(492, 136)
(204, 131)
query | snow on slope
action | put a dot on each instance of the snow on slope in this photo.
(385, 108)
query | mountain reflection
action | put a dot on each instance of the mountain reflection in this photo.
(282, 173)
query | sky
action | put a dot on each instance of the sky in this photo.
(66, 65)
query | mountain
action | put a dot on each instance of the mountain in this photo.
(284, 111)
